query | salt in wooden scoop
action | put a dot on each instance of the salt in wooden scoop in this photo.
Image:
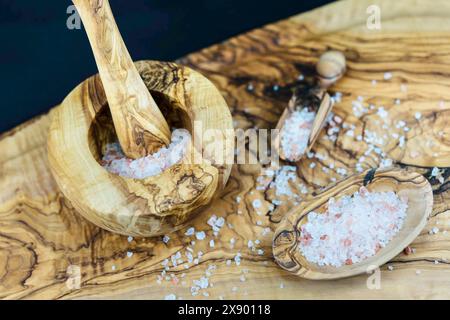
(408, 185)
(140, 125)
(330, 68)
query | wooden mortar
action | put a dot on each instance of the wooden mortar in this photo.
(82, 125)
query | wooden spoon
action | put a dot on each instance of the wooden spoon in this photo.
(407, 184)
(330, 68)
(140, 125)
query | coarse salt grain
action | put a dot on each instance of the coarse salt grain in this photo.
(387, 76)
(170, 297)
(115, 161)
(295, 133)
(257, 203)
(200, 235)
(190, 231)
(353, 228)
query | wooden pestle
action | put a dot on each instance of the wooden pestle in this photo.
(140, 125)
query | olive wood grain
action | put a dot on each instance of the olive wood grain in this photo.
(42, 235)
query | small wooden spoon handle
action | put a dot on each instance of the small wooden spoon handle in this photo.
(330, 68)
(326, 104)
(140, 125)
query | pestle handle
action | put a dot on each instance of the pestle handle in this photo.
(140, 125)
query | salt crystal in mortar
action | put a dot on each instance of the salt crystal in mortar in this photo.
(295, 133)
(353, 228)
(115, 161)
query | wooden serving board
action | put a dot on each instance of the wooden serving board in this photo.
(44, 243)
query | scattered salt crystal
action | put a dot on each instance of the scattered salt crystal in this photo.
(170, 297)
(385, 163)
(418, 115)
(250, 87)
(190, 231)
(387, 76)
(281, 285)
(211, 243)
(130, 239)
(257, 203)
(129, 254)
(113, 267)
(200, 235)
(260, 252)
(434, 230)
(295, 133)
(390, 268)
(418, 272)
(202, 283)
(374, 82)
(237, 259)
(166, 239)
(401, 124)
(371, 220)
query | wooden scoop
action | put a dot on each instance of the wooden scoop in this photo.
(330, 68)
(413, 186)
(140, 125)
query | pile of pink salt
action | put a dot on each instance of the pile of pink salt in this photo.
(353, 228)
(115, 161)
(295, 133)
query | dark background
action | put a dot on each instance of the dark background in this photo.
(41, 60)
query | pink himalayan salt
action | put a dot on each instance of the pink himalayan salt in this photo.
(295, 133)
(116, 162)
(353, 228)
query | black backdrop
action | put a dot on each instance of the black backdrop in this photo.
(41, 60)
